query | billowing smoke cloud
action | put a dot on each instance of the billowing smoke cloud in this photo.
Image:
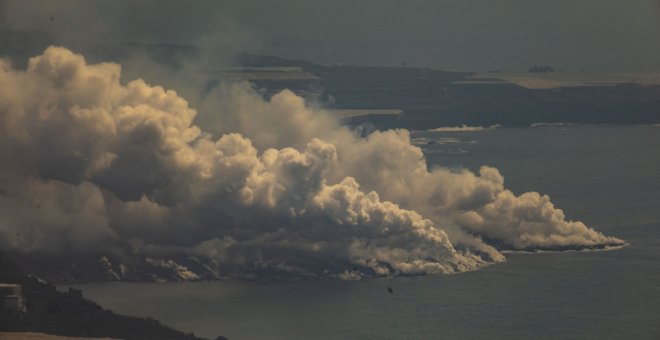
(90, 163)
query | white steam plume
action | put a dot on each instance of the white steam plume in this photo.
(88, 163)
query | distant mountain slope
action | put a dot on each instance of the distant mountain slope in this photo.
(428, 97)
(434, 98)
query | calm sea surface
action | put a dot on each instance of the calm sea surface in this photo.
(605, 176)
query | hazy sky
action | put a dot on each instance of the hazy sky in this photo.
(453, 34)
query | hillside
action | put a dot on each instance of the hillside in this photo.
(70, 314)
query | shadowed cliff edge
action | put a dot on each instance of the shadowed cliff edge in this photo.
(46, 310)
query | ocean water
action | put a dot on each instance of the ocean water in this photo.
(606, 176)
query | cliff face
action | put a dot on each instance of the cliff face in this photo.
(65, 269)
(70, 314)
(73, 268)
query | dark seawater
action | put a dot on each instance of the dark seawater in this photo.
(606, 176)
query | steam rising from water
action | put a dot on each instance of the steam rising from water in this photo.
(89, 163)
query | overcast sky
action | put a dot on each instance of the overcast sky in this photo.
(597, 35)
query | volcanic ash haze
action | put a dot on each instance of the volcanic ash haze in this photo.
(89, 165)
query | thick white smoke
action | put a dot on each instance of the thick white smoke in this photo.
(89, 163)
